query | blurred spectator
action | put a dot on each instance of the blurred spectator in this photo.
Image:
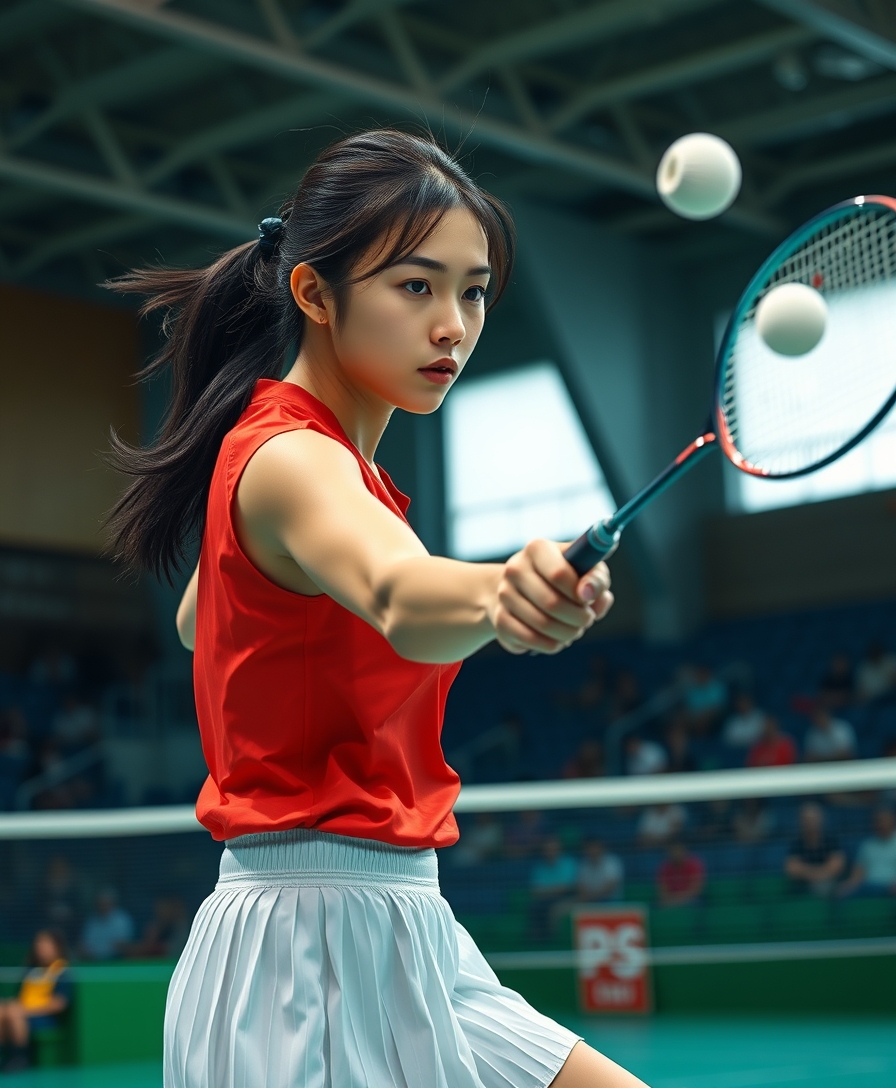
(716, 822)
(774, 748)
(592, 692)
(828, 738)
(626, 695)
(744, 727)
(71, 791)
(660, 823)
(815, 859)
(753, 821)
(681, 877)
(704, 697)
(502, 745)
(678, 745)
(874, 870)
(109, 931)
(62, 897)
(15, 754)
(53, 667)
(480, 842)
(600, 873)
(552, 884)
(524, 837)
(837, 687)
(644, 756)
(76, 726)
(166, 933)
(45, 992)
(588, 762)
(876, 674)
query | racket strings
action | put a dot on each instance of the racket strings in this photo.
(841, 256)
(786, 414)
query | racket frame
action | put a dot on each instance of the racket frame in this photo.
(747, 300)
(597, 542)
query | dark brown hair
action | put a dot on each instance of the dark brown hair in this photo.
(231, 323)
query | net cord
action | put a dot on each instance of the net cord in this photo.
(802, 779)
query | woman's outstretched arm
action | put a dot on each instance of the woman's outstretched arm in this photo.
(302, 498)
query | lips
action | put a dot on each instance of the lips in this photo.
(441, 371)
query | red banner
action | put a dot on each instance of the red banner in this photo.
(614, 974)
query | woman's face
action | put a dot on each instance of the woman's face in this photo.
(405, 334)
(45, 950)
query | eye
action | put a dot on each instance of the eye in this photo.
(413, 285)
(477, 287)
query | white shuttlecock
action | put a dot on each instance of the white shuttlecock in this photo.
(791, 318)
(698, 176)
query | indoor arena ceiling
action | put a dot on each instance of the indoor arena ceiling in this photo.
(133, 129)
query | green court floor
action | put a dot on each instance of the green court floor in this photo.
(667, 1052)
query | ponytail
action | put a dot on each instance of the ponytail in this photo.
(224, 337)
(230, 324)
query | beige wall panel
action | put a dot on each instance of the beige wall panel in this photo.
(66, 369)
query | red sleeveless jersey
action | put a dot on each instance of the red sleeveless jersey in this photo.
(307, 715)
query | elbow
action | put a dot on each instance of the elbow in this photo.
(186, 630)
(409, 641)
(403, 640)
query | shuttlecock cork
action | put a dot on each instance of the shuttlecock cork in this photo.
(792, 318)
(699, 176)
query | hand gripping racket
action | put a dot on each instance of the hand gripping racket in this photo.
(783, 416)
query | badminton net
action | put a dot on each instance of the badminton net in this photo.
(530, 858)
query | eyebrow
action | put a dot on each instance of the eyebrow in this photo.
(437, 266)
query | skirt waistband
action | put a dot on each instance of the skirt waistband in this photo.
(305, 856)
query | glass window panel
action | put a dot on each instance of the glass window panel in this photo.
(518, 464)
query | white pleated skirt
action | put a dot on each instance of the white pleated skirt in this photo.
(324, 961)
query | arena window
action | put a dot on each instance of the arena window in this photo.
(518, 463)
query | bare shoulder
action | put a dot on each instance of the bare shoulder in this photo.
(296, 464)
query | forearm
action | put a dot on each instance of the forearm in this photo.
(438, 610)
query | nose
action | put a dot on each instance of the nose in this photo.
(449, 328)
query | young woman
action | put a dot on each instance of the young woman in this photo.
(326, 638)
(46, 991)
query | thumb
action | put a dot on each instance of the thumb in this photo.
(591, 585)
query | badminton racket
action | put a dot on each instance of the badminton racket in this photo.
(779, 416)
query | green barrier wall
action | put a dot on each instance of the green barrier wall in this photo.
(847, 985)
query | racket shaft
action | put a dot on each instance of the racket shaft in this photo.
(597, 542)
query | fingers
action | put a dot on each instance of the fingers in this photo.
(543, 605)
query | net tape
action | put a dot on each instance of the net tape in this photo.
(801, 779)
(786, 414)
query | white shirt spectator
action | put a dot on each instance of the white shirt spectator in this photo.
(479, 842)
(875, 676)
(600, 879)
(647, 758)
(104, 933)
(878, 859)
(743, 730)
(659, 823)
(835, 741)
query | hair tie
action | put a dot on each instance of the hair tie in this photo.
(270, 231)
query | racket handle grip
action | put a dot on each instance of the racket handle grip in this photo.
(593, 545)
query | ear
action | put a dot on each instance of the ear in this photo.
(308, 289)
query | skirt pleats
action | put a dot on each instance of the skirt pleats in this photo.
(323, 961)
